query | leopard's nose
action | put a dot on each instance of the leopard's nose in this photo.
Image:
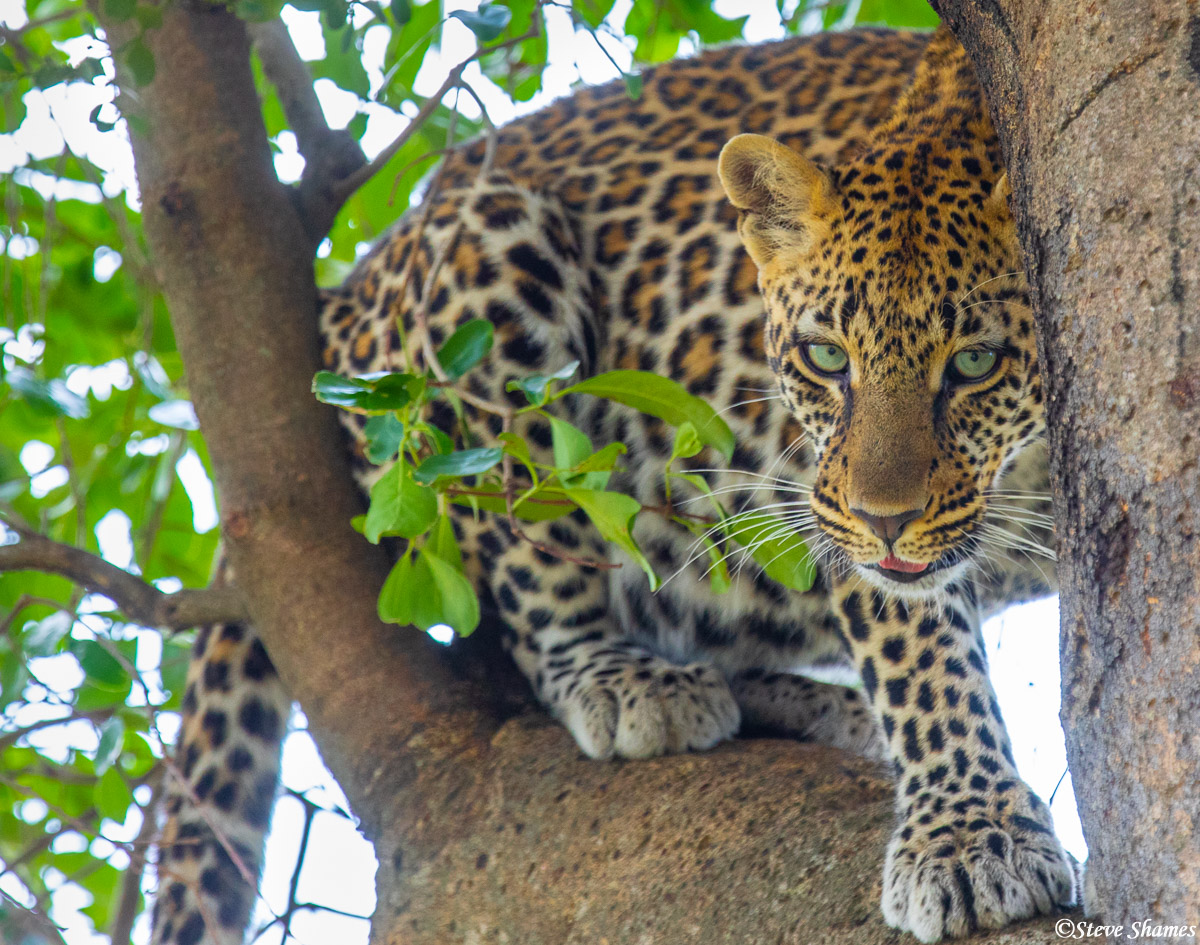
(888, 527)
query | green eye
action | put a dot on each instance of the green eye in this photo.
(828, 359)
(974, 365)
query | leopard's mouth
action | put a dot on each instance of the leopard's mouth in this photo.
(909, 572)
(912, 577)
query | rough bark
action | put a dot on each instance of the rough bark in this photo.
(235, 264)
(1098, 107)
(484, 831)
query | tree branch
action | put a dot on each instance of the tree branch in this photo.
(329, 155)
(141, 602)
(131, 880)
(236, 264)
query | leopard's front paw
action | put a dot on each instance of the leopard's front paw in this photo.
(967, 862)
(650, 708)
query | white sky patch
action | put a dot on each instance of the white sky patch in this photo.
(105, 263)
(1022, 651)
(100, 379)
(115, 537)
(46, 482)
(36, 456)
(199, 489)
(442, 633)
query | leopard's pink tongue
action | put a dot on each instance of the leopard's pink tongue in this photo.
(892, 563)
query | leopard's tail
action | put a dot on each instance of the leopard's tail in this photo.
(222, 785)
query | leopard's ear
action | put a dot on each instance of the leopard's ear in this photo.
(784, 200)
(1002, 190)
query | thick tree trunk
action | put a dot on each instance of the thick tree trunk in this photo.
(1098, 107)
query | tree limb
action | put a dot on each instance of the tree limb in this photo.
(141, 602)
(236, 264)
(330, 155)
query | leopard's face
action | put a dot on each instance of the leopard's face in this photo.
(899, 328)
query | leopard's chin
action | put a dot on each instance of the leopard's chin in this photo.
(940, 573)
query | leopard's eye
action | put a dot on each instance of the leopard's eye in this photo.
(973, 365)
(826, 359)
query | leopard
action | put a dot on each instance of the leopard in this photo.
(814, 236)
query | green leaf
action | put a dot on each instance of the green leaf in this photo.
(537, 386)
(342, 63)
(603, 460)
(543, 506)
(258, 11)
(439, 441)
(112, 795)
(94, 118)
(718, 570)
(458, 605)
(120, 10)
(782, 553)
(173, 669)
(443, 543)
(401, 11)
(571, 445)
(370, 393)
(593, 472)
(462, 463)
(398, 596)
(356, 127)
(112, 737)
(905, 14)
(50, 398)
(399, 506)
(663, 398)
(431, 590)
(466, 347)
(149, 16)
(593, 12)
(384, 435)
(633, 84)
(687, 443)
(101, 667)
(613, 515)
(140, 60)
(516, 447)
(487, 23)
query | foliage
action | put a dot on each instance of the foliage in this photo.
(98, 444)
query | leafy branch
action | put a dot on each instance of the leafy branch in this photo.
(428, 469)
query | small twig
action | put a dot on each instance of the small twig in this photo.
(440, 152)
(310, 813)
(330, 155)
(131, 879)
(31, 922)
(43, 21)
(343, 188)
(293, 82)
(10, 738)
(158, 507)
(506, 473)
(453, 490)
(29, 600)
(143, 603)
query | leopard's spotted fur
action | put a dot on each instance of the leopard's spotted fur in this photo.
(602, 234)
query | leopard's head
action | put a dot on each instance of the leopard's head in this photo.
(900, 331)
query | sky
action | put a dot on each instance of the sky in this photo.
(339, 869)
